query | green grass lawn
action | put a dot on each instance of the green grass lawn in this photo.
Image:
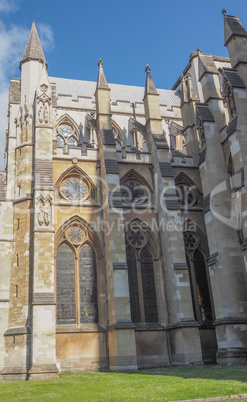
(166, 384)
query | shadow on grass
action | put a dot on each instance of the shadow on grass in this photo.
(213, 372)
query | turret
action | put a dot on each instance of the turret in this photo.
(31, 67)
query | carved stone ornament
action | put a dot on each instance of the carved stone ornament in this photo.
(44, 88)
(43, 112)
(137, 237)
(75, 234)
(191, 241)
(44, 210)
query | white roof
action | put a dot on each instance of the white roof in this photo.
(129, 93)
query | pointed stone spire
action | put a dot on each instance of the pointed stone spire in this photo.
(149, 87)
(33, 50)
(101, 83)
(232, 27)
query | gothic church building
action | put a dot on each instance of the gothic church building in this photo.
(123, 218)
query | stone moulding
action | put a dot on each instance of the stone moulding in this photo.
(183, 324)
(42, 298)
(232, 352)
(120, 265)
(230, 321)
(212, 259)
(166, 169)
(122, 324)
(83, 328)
(17, 331)
(111, 166)
(180, 266)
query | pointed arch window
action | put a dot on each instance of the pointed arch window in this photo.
(65, 285)
(76, 277)
(199, 279)
(141, 274)
(134, 189)
(67, 133)
(74, 185)
(187, 192)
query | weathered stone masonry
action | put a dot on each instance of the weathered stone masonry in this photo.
(123, 232)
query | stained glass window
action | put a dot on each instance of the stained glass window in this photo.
(133, 286)
(148, 287)
(65, 130)
(88, 285)
(72, 142)
(60, 141)
(74, 189)
(65, 282)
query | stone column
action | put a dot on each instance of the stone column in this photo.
(43, 309)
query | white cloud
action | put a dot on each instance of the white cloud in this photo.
(9, 5)
(12, 44)
(46, 36)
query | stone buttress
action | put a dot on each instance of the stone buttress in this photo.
(121, 334)
(183, 329)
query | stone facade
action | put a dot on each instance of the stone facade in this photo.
(123, 236)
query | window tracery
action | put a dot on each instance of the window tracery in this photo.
(134, 189)
(75, 186)
(141, 274)
(191, 241)
(76, 274)
(134, 193)
(187, 193)
(67, 133)
(74, 189)
(75, 234)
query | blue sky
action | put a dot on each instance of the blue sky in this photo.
(127, 35)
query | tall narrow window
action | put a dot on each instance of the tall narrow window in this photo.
(133, 286)
(88, 285)
(203, 296)
(200, 287)
(65, 280)
(142, 286)
(76, 272)
(148, 287)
